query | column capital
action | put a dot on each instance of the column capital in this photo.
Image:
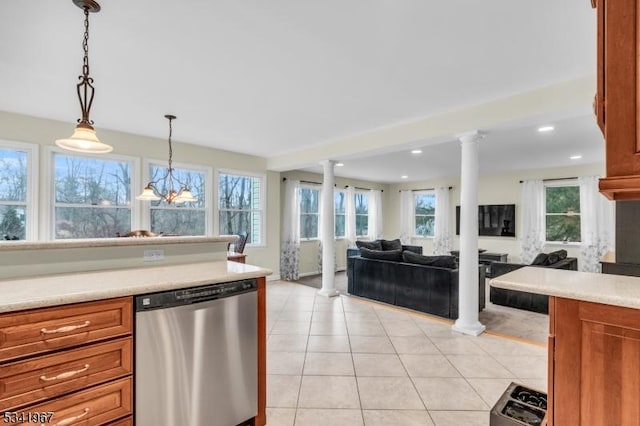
(328, 162)
(471, 136)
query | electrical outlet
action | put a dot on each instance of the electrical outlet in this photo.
(153, 255)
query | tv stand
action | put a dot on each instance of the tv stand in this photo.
(485, 258)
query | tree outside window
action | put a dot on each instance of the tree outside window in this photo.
(240, 205)
(13, 194)
(562, 213)
(425, 213)
(309, 212)
(362, 214)
(92, 197)
(182, 218)
(340, 201)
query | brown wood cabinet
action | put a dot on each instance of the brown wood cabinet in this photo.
(74, 361)
(617, 102)
(594, 364)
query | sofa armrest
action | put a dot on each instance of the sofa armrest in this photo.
(501, 268)
(569, 263)
(415, 249)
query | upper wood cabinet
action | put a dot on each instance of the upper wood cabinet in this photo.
(617, 102)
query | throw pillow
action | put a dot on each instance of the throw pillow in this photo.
(541, 259)
(391, 244)
(371, 245)
(394, 255)
(439, 261)
(562, 254)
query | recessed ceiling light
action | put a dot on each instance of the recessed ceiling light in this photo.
(339, 164)
(575, 157)
(545, 128)
(416, 151)
(404, 177)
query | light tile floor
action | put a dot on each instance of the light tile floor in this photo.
(348, 361)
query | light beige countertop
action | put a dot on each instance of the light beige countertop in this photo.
(62, 289)
(614, 290)
(111, 242)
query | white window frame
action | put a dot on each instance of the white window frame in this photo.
(263, 201)
(556, 184)
(335, 215)
(313, 188)
(146, 177)
(415, 194)
(48, 230)
(31, 201)
(356, 213)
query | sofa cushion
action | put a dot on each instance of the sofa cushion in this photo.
(371, 245)
(394, 255)
(556, 256)
(391, 244)
(439, 261)
(541, 259)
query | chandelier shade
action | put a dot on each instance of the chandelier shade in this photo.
(174, 191)
(84, 138)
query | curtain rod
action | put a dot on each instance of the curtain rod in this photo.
(363, 189)
(422, 189)
(551, 180)
(306, 181)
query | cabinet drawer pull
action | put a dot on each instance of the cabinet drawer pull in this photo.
(66, 328)
(65, 375)
(70, 420)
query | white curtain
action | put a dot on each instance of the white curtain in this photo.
(597, 228)
(442, 229)
(532, 208)
(375, 214)
(290, 238)
(407, 217)
(350, 219)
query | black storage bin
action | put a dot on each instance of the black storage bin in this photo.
(519, 406)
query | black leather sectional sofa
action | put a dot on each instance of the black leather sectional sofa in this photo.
(429, 289)
(522, 299)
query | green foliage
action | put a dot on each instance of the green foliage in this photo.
(563, 213)
(11, 225)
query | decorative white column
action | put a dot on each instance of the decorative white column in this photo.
(328, 224)
(467, 321)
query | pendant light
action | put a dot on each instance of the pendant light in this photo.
(173, 195)
(84, 138)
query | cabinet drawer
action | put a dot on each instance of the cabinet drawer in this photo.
(95, 406)
(36, 379)
(42, 330)
(123, 422)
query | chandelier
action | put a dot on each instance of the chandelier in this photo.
(151, 192)
(84, 138)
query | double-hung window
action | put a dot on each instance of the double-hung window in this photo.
(425, 213)
(16, 177)
(189, 218)
(562, 212)
(309, 212)
(241, 205)
(340, 211)
(362, 214)
(92, 196)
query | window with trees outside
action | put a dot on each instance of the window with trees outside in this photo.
(14, 177)
(92, 197)
(241, 205)
(309, 212)
(182, 218)
(340, 205)
(562, 213)
(362, 214)
(425, 213)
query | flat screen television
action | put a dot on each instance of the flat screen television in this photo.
(494, 220)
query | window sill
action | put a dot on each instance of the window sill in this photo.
(422, 237)
(562, 244)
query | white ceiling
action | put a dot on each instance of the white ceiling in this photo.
(518, 146)
(272, 77)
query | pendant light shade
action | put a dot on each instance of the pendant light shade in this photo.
(84, 138)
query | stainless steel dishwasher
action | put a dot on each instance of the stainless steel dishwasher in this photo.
(196, 356)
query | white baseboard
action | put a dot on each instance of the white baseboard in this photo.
(308, 274)
(273, 277)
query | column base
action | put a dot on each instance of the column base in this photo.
(470, 329)
(328, 292)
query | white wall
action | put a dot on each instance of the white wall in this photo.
(492, 189)
(43, 132)
(309, 249)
